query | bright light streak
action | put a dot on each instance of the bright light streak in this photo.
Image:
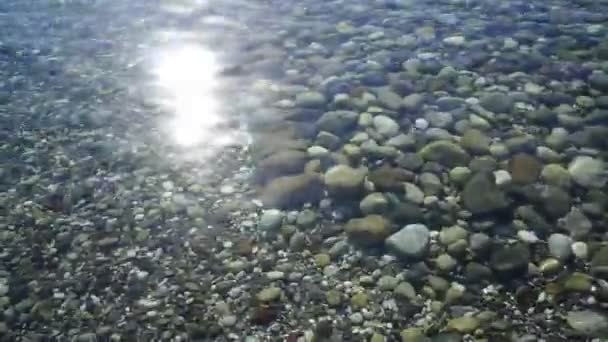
(187, 77)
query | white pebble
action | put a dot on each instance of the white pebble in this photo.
(502, 177)
(580, 250)
(421, 124)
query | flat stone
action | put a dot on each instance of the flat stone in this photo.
(290, 192)
(386, 126)
(482, 196)
(511, 260)
(445, 153)
(475, 142)
(588, 323)
(524, 168)
(560, 246)
(411, 241)
(271, 219)
(374, 203)
(368, 231)
(343, 180)
(588, 172)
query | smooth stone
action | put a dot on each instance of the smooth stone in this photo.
(560, 246)
(497, 102)
(343, 180)
(599, 81)
(413, 193)
(556, 174)
(405, 290)
(446, 262)
(549, 266)
(481, 195)
(579, 282)
(306, 219)
(449, 235)
(510, 260)
(460, 175)
(413, 101)
(464, 324)
(402, 141)
(387, 283)
(440, 119)
(524, 168)
(338, 122)
(390, 179)
(430, 183)
(599, 263)
(528, 236)
(475, 142)
(282, 163)
(292, 191)
(374, 203)
(445, 153)
(588, 172)
(269, 294)
(310, 99)
(317, 151)
(271, 219)
(455, 41)
(588, 323)
(368, 231)
(389, 99)
(479, 242)
(411, 241)
(421, 124)
(386, 126)
(580, 250)
(576, 223)
(502, 178)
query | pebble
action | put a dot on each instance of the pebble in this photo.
(411, 241)
(580, 250)
(560, 246)
(421, 124)
(271, 219)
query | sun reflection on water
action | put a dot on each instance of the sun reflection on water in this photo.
(187, 76)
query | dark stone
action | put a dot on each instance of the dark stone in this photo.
(510, 261)
(482, 196)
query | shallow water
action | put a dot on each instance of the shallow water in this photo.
(321, 170)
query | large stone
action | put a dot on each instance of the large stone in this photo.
(497, 102)
(588, 172)
(387, 127)
(310, 99)
(411, 241)
(599, 263)
(343, 180)
(555, 201)
(291, 192)
(370, 230)
(389, 98)
(524, 168)
(476, 142)
(576, 223)
(445, 153)
(510, 260)
(449, 235)
(390, 179)
(283, 163)
(599, 81)
(560, 246)
(338, 122)
(588, 323)
(374, 203)
(481, 195)
(556, 174)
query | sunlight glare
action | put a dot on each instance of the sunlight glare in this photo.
(188, 76)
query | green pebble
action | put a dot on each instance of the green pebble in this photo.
(333, 297)
(579, 282)
(359, 300)
(464, 324)
(322, 260)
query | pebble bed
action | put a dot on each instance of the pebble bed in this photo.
(403, 170)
